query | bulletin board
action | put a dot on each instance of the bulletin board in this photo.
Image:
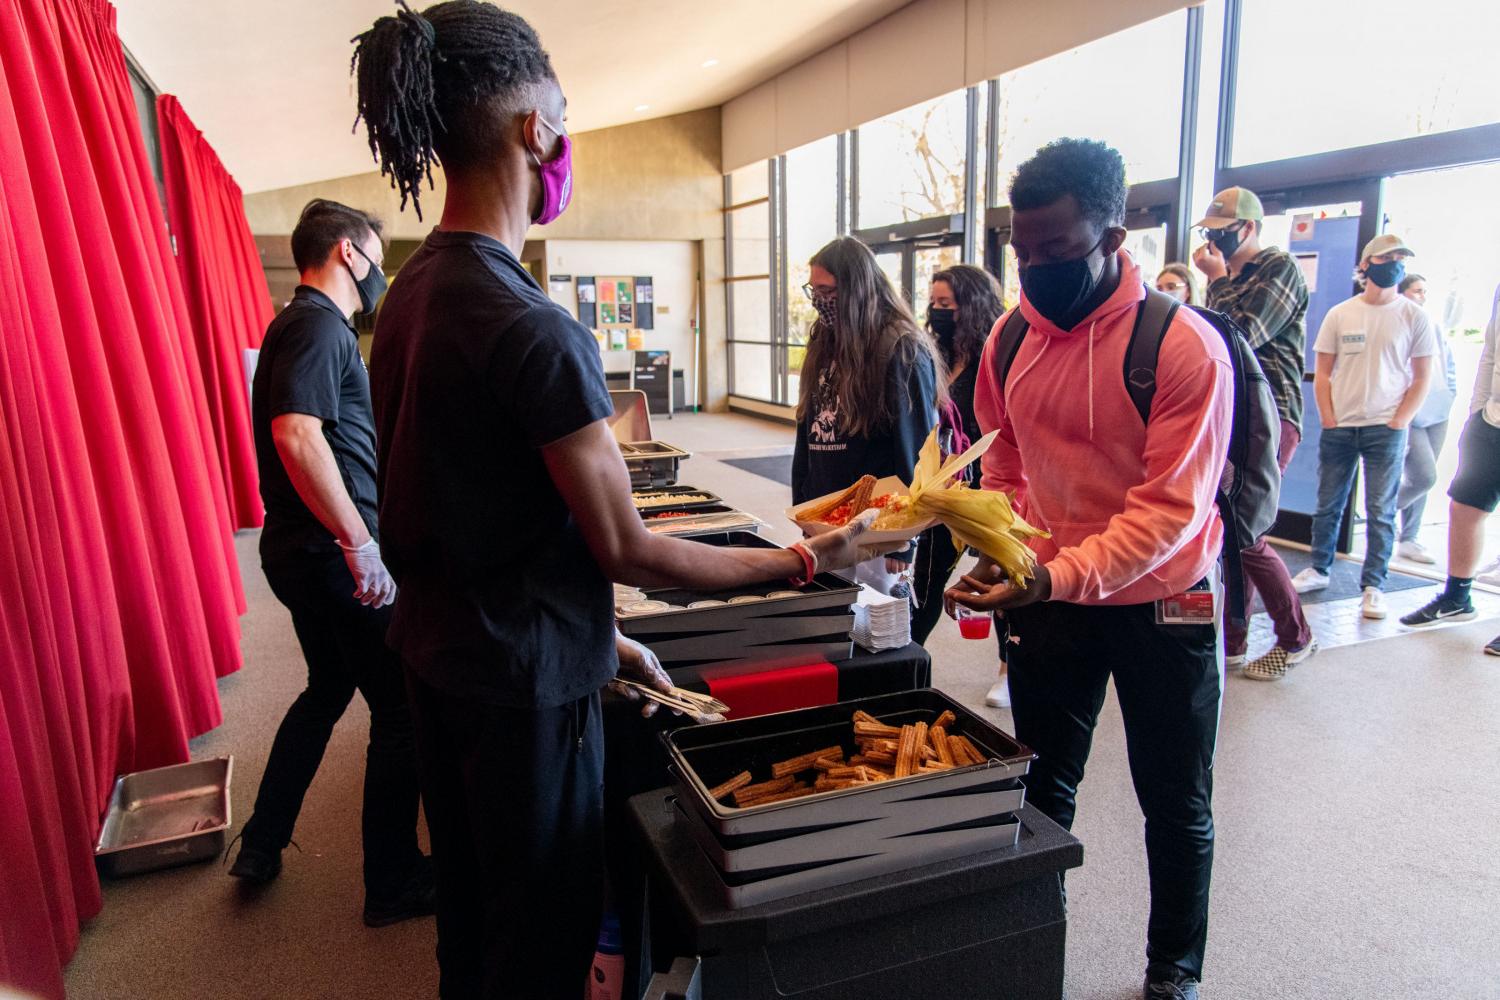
(587, 294)
(617, 303)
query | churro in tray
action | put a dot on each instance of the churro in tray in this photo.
(884, 753)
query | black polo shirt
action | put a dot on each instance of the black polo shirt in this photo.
(309, 363)
(474, 370)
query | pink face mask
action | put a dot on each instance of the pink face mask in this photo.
(557, 178)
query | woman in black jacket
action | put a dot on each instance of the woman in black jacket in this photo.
(869, 387)
(962, 309)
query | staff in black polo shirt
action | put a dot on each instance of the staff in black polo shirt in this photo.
(315, 446)
(505, 505)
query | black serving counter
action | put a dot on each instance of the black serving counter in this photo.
(991, 924)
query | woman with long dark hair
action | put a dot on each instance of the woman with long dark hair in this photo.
(962, 309)
(870, 386)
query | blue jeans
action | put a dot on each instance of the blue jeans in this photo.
(1339, 453)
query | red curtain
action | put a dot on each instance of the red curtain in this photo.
(119, 592)
(227, 296)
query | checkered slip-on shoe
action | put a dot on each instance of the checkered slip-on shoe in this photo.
(1270, 667)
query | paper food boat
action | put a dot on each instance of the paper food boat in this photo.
(890, 484)
(893, 484)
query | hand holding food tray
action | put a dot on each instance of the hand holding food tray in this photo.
(983, 519)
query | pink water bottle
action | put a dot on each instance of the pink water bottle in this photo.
(607, 977)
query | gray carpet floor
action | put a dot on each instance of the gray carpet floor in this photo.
(1356, 807)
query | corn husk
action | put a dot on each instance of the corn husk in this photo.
(983, 519)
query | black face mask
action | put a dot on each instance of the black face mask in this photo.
(944, 325)
(371, 287)
(1060, 291)
(1228, 240)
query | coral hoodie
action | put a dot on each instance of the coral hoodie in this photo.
(1130, 505)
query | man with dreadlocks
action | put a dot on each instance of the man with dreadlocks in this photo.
(505, 505)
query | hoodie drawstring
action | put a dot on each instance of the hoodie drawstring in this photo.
(1091, 378)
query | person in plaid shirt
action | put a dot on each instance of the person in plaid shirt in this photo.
(1262, 289)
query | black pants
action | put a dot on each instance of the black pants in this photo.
(1167, 679)
(343, 643)
(936, 558)
(515, 807)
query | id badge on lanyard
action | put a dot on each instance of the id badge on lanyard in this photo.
(1198, 605)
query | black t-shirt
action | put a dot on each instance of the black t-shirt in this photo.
(826, 460)
(474, 370)
(309, 363)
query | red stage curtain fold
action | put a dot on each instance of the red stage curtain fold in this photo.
(119, 590)
(227, 296)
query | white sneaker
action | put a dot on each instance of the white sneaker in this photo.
(1489, 575)
(1309, 580)
(1415, 552)
(1372, 604)
(1236, 662)
(999, 696)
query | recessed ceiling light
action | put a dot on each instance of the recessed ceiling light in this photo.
(643, 107)
(710, 63)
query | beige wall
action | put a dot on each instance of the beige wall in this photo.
(651, 180)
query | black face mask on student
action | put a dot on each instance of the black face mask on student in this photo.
(371, 287)
(944, 324)
(1060, 291)
(1227, 240)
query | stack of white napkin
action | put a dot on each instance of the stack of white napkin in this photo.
(881, 622)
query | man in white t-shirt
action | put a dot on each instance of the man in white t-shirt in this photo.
(1374, 362)
(1475, 492)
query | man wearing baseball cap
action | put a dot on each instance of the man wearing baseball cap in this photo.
(1261, 289)
(1375, 354)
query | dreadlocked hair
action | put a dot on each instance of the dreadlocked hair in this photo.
(434, 86)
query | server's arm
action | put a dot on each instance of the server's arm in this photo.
(589, 472)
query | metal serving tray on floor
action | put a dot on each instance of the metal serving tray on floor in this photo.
(165, 817)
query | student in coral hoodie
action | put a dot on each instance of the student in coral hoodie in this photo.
(1130, 508)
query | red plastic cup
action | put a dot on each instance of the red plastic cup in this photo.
(973, 624)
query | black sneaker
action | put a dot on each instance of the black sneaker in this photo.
(255, 865)
(1168, 990)
(1440, 609)
(417, 898)
(1493, 646)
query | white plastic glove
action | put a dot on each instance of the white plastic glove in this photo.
(373, 585)
(835, 550)
(638, 663)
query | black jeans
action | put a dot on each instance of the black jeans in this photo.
(936, 558)
(515, 807)
(343, 643)
(1168, 682)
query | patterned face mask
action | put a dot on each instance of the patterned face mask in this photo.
(828, 309)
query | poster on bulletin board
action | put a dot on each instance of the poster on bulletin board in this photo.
(616, 302)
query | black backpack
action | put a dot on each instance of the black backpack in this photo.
(1250, 489)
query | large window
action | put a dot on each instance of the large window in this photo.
(911, 163)
(1314, 77)
(812, 198)
(924, 184)
(748, 245)
(1125, 90)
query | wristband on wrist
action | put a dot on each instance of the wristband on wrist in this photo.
(809, 566)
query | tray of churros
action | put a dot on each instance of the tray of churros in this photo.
(862, 761)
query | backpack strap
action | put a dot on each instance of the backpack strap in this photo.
(1152, 321)
(1011, 335)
